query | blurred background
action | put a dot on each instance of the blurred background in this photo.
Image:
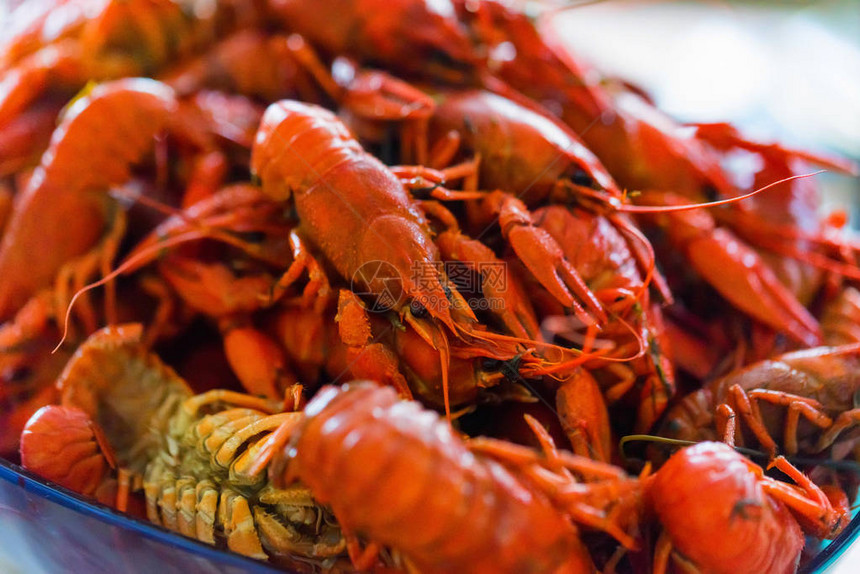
(787, 71)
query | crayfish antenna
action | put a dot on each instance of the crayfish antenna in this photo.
(133, 263)
(589, 349)
(435, 336)
(197, 226)
(768, 235)
(724, 137)
(508, 347)
(445, 359)
(627, 208)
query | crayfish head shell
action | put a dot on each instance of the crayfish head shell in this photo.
(401, 269)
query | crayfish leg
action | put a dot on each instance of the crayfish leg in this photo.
(368, 358)
(662, 552)
(317, 288)
(207, 507)
(811, 502)
(362, 558)
(584, 416)
(234, 514)
(257, 360)
(843, 422)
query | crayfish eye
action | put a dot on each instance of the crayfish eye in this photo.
(16, 374)
(492, 365)
(424, 192)
(418, 310)
(255, 237)
(581, 177)
(710, 192)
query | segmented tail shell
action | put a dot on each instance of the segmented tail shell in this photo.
(381, 462)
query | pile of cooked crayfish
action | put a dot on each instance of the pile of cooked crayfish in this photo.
(406, 286)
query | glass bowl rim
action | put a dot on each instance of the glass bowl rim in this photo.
(57, 494)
